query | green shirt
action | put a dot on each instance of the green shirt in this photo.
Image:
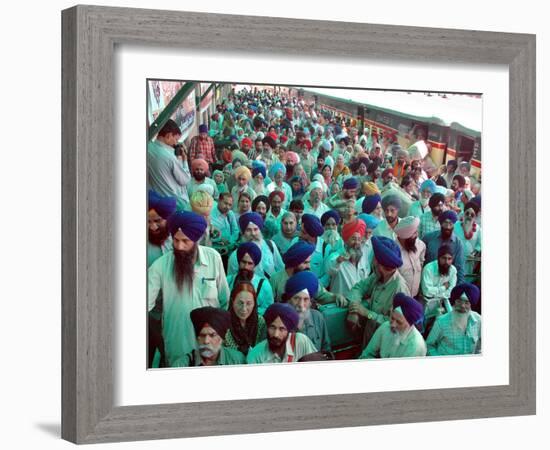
(384, 345)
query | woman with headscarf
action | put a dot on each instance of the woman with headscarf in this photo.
(247, 328)
(219, 178)
(340, 169)
(327, 174)
(300, 172)
(297, 186)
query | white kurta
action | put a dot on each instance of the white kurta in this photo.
(344, 275)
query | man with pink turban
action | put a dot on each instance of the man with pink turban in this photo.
(413, 252)
(200, 172)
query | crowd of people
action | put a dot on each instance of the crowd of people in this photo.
(278, 208)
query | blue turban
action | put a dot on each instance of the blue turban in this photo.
(370, 202)
(412, 309)
(203, 128)
(312, 225)
(217, 318)
(300, 281)
(164, 206)
(331, 213)
(477, 199)
(252, 249)
(391, 200)
(386, 252)
(448, 215)
(286, 312)
(371, 221)
(470, 290)
(191, 224)
(428, 185)
(275, 168)
(258, 169)
(253, 217)
(441, 190)
(351, 183)
(297, 254)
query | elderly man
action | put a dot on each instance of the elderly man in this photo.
(190, 276)
(399, 338)
(300, 289)
(420, 207)
(435, 239)
(459, 331)
(249, 256)
(251, 225)
(348, 193)
(429, 221)
(166, 174)
(202, 146)
(224, 221)
(283, 343)
(314, 204)
(286, 235)
(469, 233)
(372, 204)
(199, 170)
(377, 290)
(413, 252)
(210, 325)
(277, 173)
(346, 268)
(391, 204)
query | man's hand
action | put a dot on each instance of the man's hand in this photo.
(341, 301)
(358, 308)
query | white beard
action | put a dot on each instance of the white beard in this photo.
(460, 320)
(305, 315)
(398, 337)
(331, 237)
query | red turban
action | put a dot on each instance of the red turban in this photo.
(198, 163)
(357, 226)
(273, 135)
(280, 194)
(307, 143)
(246, 140)
(284, 139)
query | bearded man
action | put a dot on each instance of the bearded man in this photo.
(421, 206)
(391, 204)
(429, 221)
(399, 338)
(413, 252)
(190, 276)
(300, 289)
(210, 325)
(249, 256)
(283, 343)
(331, 238)
(314, 202)
(469, 233)
(199, 171)
(459, 331)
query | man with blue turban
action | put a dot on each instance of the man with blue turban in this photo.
(458, 332)
(371, 299)
(283, 343)
(312, 232)
(429, 220)
(372, 204)
(331, 238)
(189, 277)
(251, 225)
(249, 256)
(300, 290)
(419, 207)
(399, 337)
(445, 235)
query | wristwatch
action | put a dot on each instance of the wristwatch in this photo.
(370, 316)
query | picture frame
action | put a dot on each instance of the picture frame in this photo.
(89, 37)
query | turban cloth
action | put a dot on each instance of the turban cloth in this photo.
(273, 136)
(217, 172)
(370, 188)
(202, 202)
(351, 183)
(441, 190)
(243, 171)
(329, 161)
(203, 128)
(470, 290)
(248, 218)
(259, 170)
(199, 163)
(386, 252)
(477, 199)
(292, 157)
(448, 215)
(297, 254)
(387, 172)
(206, 188)
(300, 281)
(428, 185)
(275, 168)
(407, 227)
(285, 312)
(370, 221)
(370, 202)
(269, 141)
(164, 206)
(331, 213)
(279, 194)
(444, 249)
(391, 200)
(312, 225)
(246, 141)
(191, 224)
(307, 143)
(217, 318)
(436, 199)
(316, 185)
(284, 139)
(470, 205)
(240, 156)
(263, 199)
(260, 135)
(325, 145)
(411, 309)
(252, 249)
(350, 228)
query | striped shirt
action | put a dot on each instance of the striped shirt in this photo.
(446, 338)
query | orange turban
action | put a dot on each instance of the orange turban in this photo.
(349, 229)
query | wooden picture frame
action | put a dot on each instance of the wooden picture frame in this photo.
(90, 34)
